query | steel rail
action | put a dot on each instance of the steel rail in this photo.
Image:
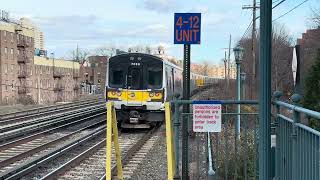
(43, 125)
(132, 150)
(30, 112)
(76, 160)
(34, 136)
(13, 120)
(29, 166)
(42, 119)
(44, 146)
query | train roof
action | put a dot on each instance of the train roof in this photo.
(158, 58)
(136, 54)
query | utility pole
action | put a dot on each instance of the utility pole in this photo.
(229, 54)
(254, 8)
(77, 53)
(227, 66)
(225, 73)
(39, 93)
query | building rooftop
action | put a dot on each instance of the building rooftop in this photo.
(38, 60)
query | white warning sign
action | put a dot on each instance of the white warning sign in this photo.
(207, 117)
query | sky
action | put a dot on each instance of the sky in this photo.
(125, 23)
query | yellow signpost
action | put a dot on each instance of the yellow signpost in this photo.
(112, 135)
(170, 144)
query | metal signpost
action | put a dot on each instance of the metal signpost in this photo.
(187, 28)
(265, 90)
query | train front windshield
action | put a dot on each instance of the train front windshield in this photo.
(143, 74)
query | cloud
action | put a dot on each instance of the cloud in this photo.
(200, 9)
(63, 33)
(161, 6)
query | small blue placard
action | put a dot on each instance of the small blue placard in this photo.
(206, 102)
(187, 28)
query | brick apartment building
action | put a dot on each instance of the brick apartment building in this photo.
(309, 43)
(26, 78)
(93, 74)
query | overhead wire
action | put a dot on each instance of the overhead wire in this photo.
(290, 10)
(249, 26)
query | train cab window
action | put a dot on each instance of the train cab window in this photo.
(116, 78)
(134, 79)
(154, 77)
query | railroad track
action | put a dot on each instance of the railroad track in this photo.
(42, 110)
(53, 154)
(21, 150)
(83, 158)
(16, 118)
(134, 156)
(44, 123)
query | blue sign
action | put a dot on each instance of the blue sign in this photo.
(187, 28)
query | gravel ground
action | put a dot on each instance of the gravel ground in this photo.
(155, 164)
(17, 107)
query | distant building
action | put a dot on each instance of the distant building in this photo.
(309, 43)
(93, 74)
(26, 78)
(39, 42)
(217, 71)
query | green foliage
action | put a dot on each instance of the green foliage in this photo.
(227, 161)
(312, 91)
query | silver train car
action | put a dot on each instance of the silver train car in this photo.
(139, 84)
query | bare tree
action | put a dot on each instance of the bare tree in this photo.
(205, 66)
(148, 49)
(315, 17)
(79, 55)
(105, 51)
(281, 61)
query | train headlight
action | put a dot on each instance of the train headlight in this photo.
(119, 93)
(132, 95)
(113, 93)
(151, 94)
(157, 94)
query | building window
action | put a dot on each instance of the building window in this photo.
(12, 86)
(5, 50)
(5, 35)
(18, 51)
(6, 68)
(12, 67)
(7, 84)
(11, 52)
(17, 37)
(11, 37)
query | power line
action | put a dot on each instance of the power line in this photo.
(275, 1)
(249, 26)
(290, 10)
(246, 31)
(274, 6)
(278, 4)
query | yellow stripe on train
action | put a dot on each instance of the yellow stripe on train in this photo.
(134, 96)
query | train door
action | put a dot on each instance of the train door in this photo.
(134, 82)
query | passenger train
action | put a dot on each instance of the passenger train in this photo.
(139, 84)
